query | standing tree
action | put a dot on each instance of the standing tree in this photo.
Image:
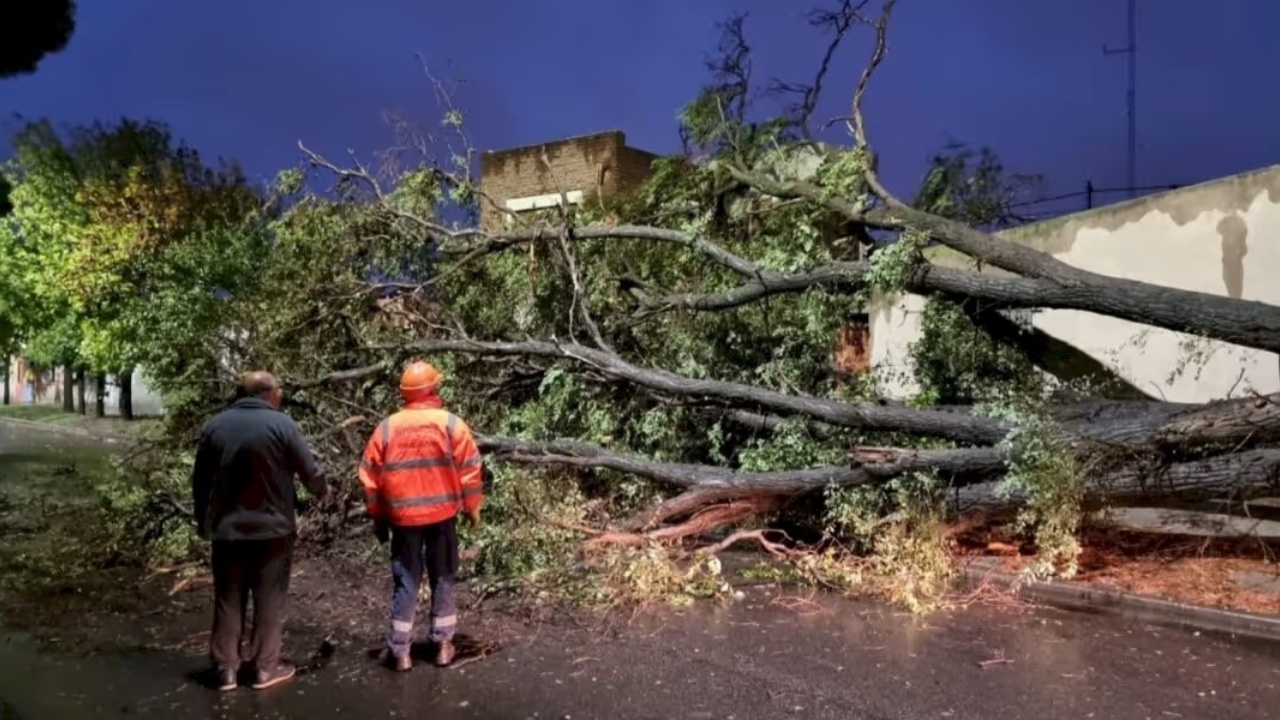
(40, 233)
(32, 31)
(8, 342)
(148, 261)
(5, 188)
(101, 217)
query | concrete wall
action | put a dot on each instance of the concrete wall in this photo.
(1219, 237)
(28, 386)
(586, 166)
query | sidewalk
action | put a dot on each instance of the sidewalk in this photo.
(1083, 597)
(55, 420)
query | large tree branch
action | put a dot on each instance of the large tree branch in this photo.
(960, 427)
(474, 242)
(1045, 282)
(1231, 475)
(1242, 322)
(1247, 323)
(839, 22)
(1164, 427)
(968, 465)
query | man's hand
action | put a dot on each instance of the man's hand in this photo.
(473, 518)
(382, 531)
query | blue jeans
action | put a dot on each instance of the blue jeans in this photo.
(429, 548)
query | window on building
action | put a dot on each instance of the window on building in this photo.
(532, 203)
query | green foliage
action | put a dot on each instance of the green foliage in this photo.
(790, 446)
(892, 266)
(1044, 471)
(121, 250)
(516, 540)
(973, 187)
(912, 560)
(957, 363)
(143, 519)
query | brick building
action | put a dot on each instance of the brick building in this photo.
(532, 178)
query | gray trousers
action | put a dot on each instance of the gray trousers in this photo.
(243, 569)
(429, 549)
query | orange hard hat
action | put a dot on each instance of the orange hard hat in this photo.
(419, 379)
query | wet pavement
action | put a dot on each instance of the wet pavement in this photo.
(749, 661)
(752, 659)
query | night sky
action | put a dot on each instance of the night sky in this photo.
(1026, 77)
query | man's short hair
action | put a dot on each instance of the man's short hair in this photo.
(257, 384)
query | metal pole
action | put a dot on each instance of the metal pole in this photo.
(1131, 50)
(1133, 97)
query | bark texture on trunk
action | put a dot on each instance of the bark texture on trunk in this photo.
(1233, 475)
(7, 360)
(125, 379)
(100, 395)
(81, 381)
(68, 389)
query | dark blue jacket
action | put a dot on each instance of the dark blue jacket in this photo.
(242, 483)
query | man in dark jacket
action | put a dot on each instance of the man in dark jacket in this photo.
(244, 497)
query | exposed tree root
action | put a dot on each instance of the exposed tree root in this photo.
(683, 504)
(699, 524)
(776, 549)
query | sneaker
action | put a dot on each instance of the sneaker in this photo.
(444, 656)
(396, 662)
(227, 680)
(283, 673)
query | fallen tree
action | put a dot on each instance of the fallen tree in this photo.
(684, 335)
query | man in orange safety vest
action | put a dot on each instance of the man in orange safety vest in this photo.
(421, 468)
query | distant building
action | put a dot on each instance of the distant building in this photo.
(533, 177)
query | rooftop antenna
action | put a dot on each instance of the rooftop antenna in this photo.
(1131, 51)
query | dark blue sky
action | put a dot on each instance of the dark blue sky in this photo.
(1027, 77)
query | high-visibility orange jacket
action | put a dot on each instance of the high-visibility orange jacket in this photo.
(421, 466)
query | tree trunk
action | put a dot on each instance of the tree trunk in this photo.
(1141, 447)
(125, 379)
(81, 381)
(1235, 475)
(7, 360)
(68, 389)
(1134, 425)
(100, 395)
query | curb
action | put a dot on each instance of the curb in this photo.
(59, 429)
(1153, 610)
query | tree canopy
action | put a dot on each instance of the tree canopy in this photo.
(115, 245)
(32, 31)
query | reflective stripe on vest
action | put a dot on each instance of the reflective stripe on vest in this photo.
(418, 480)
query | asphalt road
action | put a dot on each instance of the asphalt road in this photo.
(753, 659)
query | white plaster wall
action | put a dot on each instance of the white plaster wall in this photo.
(895, 324)
(1165, 240)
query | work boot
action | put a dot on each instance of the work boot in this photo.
(399, 663)
(444, 655)
(227, 680)
(282, 674)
